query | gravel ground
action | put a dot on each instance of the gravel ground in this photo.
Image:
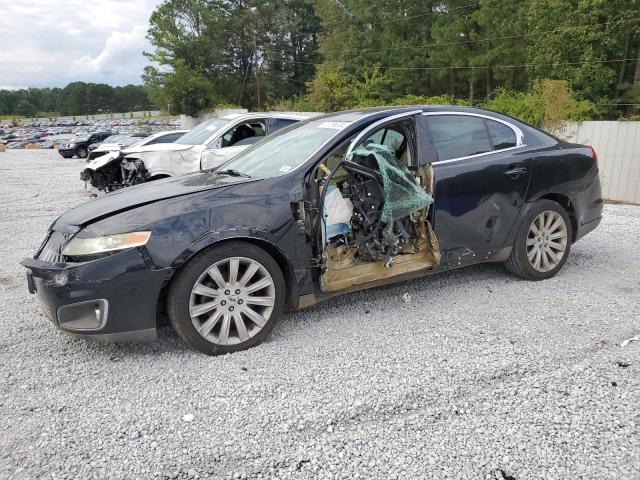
(479, 375)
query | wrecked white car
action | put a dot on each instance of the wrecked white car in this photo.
(105, 171)
(113, 144)
(206, 147)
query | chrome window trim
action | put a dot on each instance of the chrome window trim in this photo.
(377, 124)
(520, 143)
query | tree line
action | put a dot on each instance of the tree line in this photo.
(327, 55)
(76, 98)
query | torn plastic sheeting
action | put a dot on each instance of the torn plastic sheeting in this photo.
(403, 195)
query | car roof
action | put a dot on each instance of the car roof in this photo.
(167, 132)
(250, 116)
(381, 112)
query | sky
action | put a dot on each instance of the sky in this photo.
(50, 43)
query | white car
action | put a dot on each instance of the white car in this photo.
(105, 173)
(113, 143)
(207, 146)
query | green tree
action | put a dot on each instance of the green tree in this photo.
(251, 52)
(588, 46)
(25, 108)
(184, 90)
(77, 98)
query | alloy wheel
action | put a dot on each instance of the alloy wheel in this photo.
(232, 300)
(547, 241)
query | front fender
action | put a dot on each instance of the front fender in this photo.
(216, 157)
(295, 277)
(210, 238)
(172, 163)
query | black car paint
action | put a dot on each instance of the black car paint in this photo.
(476, 211)
(93, 138)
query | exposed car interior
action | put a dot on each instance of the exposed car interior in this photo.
(240, 133)
(376, 203)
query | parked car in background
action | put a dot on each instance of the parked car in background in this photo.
(78, 146)
(105, 172)
(331, 205)
(207, 146)
(115, 143)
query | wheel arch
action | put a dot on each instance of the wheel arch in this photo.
(273, 250)
(565, 202)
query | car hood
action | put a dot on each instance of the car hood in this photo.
(133, 197)
(103, 160)
(160, 147)
(107, 147)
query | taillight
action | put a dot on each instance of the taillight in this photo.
(594, 154)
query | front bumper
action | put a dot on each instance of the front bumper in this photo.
(66, 152)
(110, 299)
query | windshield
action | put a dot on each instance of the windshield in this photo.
(80, 138)
(286, 151)
(202, 132)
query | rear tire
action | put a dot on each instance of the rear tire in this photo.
(542, 243)
(227, 298)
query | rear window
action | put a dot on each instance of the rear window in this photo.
(501, 136)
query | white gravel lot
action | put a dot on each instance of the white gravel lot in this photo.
(480, 375)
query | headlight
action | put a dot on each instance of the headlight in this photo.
(71, 145)
(78, 247)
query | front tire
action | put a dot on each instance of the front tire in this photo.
(82, 152)
(227, 298)
(542, 243)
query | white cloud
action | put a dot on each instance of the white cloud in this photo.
(48, 43)
(121, 55)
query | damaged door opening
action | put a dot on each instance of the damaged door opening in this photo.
(376, 200)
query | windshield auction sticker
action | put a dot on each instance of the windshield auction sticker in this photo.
(334, 125)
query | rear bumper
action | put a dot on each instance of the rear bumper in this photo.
(109, 299)
(586, 228)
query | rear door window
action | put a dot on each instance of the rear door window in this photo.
(457, 136)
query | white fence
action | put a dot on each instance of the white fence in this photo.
(618, 148)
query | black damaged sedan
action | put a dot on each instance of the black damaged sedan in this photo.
(334, 204)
